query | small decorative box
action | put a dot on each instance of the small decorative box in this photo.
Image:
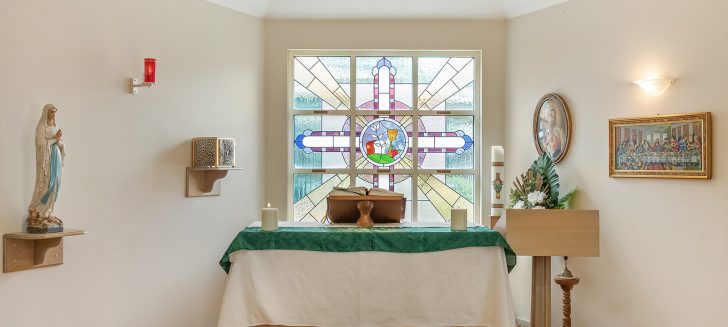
(213, 152)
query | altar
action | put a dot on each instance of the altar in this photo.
(411, 274)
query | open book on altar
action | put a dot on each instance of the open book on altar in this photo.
(362, 191)
(389, 206)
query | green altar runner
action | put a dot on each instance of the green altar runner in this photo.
(387, 238)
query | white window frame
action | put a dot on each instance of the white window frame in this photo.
(415, 113)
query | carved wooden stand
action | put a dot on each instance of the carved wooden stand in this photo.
(365, 213)
(567, 283)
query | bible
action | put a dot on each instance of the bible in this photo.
(343, 205)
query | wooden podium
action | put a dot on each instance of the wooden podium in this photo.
(542, 233)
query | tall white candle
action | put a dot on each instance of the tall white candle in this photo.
(497, 154)
(269, 219)
(497, 180)
(458, 219)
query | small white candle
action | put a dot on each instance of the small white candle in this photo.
(458, 219)
(269, 221)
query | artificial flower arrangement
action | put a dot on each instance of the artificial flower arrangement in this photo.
(538, 188)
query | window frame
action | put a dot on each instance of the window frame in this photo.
(415, 113)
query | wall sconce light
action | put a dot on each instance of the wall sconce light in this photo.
(150, 76)
(654, 87)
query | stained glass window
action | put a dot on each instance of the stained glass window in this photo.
(418, 147)
(384, 142)
(321, 83)
(321, 141)
(446, 142)
(438, 193)
(446, 83)
(398, 183)
(383, 83)
(309, 194)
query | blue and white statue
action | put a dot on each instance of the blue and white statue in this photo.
(49, 155)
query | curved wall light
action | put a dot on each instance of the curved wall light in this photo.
(655, 87)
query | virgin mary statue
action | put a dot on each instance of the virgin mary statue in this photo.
(49, 155)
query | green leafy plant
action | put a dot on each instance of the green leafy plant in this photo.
(538, 188)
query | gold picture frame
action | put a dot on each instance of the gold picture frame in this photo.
(666, 146)
(552, 127)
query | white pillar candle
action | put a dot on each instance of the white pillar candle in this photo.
(497, 180)
(458, 219)
(269, 221)
(497, 154)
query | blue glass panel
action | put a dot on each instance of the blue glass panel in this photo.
(446, 142)
(321, 142)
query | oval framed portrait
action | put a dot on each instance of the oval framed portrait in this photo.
(552, 127)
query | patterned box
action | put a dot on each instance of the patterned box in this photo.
(213, 152)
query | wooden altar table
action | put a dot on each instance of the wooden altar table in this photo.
(390, 275)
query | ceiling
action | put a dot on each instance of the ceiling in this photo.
(386, 9)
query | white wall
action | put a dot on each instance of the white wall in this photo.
(150, 256)
(664, 243)
(281, 35)
(147, 258)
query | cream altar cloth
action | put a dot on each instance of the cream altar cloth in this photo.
(460, 287)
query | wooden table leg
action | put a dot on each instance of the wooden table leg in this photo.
(541, 292)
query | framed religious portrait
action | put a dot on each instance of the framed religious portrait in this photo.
(552, 127)
(667, 146)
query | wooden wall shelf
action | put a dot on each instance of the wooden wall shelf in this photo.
(23, 251)
(205, 181)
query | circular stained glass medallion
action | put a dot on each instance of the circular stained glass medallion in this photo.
(384, 142)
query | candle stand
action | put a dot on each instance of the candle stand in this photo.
(567, 281)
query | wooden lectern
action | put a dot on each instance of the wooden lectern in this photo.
(542, 233)
(365, 210)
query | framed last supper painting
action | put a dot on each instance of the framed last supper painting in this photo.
(667, 146)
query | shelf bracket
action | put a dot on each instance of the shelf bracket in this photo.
(23, 251)
(205, 181)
